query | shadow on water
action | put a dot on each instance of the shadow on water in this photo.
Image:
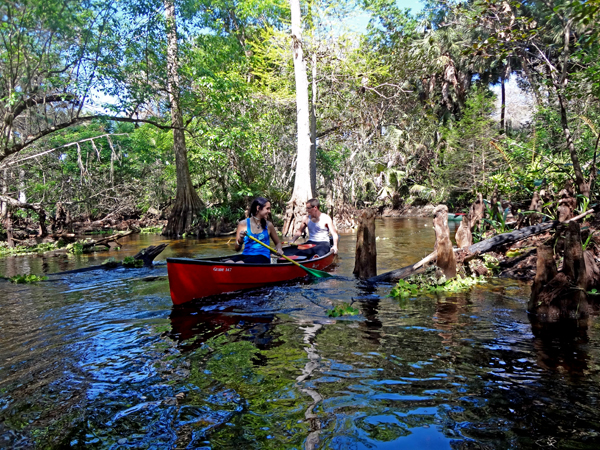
(103, 360)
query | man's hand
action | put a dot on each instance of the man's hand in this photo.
(334, 249)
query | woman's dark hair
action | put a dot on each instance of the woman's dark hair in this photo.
(259, 201)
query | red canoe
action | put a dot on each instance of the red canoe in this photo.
(197, 278)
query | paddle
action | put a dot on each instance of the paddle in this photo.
(314, 272)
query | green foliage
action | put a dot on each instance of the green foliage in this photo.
(225, 212)
(585, 245)
(24, 250)
(151, 230)
(27, 279)
(584, 203)
(512, 253)
(76, 247)
(468, 157)
(110, 263)
(497, 221)
(491, 263)
(429, 283)
(131, 262)
(342, 310)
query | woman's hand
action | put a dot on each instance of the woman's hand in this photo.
(279, 250)
(242, 236)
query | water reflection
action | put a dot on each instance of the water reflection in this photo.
(102, 360)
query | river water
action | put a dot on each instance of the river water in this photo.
(102, 359)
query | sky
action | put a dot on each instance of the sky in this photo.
(359, 23)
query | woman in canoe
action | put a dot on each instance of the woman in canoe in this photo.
(259, 227)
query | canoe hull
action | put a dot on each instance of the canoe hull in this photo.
(190, 279)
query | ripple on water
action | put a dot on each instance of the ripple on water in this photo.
(102, 360)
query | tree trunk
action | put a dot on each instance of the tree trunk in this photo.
(544, 273)
(8, 226)
(496, 211)
(303, 182)
(313, 127)
(365, 260)
(562, 296)
(503, 106)
(187, 203)
(4, 191)
(584, 188)
(566, 203)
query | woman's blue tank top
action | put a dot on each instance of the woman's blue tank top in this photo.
(254, 248)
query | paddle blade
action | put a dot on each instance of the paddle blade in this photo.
(317, 273)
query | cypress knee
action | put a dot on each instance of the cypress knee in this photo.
(445, 255)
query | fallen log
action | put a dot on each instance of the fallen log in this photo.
(510, 238)
(147, 255)
(478, 248)
(105, 241)
(404, 272)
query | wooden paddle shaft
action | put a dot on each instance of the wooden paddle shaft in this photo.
(275, 251)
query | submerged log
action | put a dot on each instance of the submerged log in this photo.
(149, 253)
(443, 246)
(365, 260)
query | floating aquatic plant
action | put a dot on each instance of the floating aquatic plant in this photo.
(26, 279)
(342, 310)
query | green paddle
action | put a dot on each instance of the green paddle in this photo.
(314, 272)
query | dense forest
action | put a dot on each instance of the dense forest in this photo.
(182, 110)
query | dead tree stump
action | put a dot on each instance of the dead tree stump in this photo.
(443, 246)
(536, 205)
(464, 237)
(561, 295)
(365, 260)
(477, 211)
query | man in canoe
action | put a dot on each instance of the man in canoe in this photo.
(319, 226)
(259, 227)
